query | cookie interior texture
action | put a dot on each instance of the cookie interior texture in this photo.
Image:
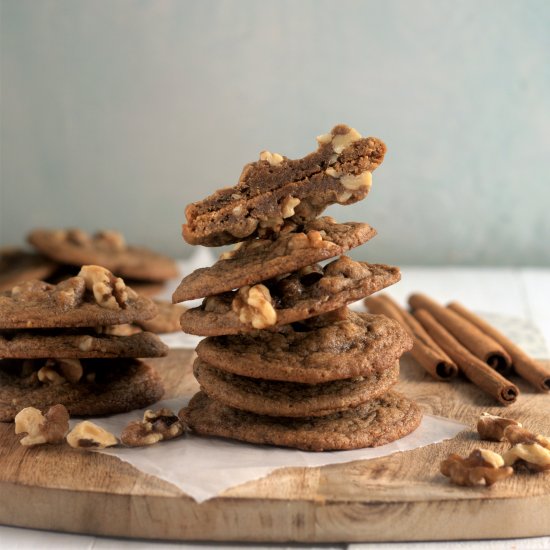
(296, 297)
(260, 259)
(291, 399)
(374, 423)
(119, 385)
(337, 172)
(317, 350)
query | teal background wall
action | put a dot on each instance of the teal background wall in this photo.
(117, 113)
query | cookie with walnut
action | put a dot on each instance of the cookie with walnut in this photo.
(260, 259)
(293, 399)
(276, 189)
(87, 388)
(105, 248)
(93, 298)
(343, 344)
(371, 424)
(303, 294)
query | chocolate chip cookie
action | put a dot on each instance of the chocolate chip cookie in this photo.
(317, 350)
(290, 398)
(275, 189)
(306, 293)
(105, 386)
(374, 423)
(107, 249)
(258, 259)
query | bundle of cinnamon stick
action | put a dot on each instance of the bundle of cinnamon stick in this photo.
(452, 339)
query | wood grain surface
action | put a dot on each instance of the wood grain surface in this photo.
(400, 497)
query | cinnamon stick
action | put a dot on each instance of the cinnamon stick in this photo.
(525, 366)
(478, 372)
(425, 351)
(468, 334)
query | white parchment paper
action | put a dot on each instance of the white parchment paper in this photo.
(204, 467)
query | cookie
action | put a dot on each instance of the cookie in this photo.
(374, 423)
(63, 344)
(303, 294)
(16, 266)
(260, 259)
(166, 320)
(120, 385)
(291, 399)
(276, 189)
(318, 350)
(93, 298)
(107, 249)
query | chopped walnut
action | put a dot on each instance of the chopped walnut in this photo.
(341, 137)
(125, 329)
(288, 205)
(156, 426)
(78, 236)
(481, 467)
(109, 291)
(59, 371)
(274, 159)
(110, 240)
(87, 435)
(49, 428)
(254, 305)
(492, 427)
(353, 183)
(531, 456)
(69, 293)
(270, 225)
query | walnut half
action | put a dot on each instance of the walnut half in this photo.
(156, 426)
(109, 291)
(254, 305)
(49, 428)
(87, 435)
(481, 467)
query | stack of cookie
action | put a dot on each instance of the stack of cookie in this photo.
(285, 362)
(58, 345)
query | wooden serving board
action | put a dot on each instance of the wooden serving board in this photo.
(400, 497)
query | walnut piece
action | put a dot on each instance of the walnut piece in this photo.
(254, 305)
(361, 181)
(481, 467)
(59, 371)
(109, 291)
(288, 205)
(156, 426)
(491, 427)
(532, 456)
(49, 428)
(341, 137)
(87, 435)
(110, 240)
(274, 159)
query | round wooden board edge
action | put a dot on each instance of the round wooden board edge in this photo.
(260, 520)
